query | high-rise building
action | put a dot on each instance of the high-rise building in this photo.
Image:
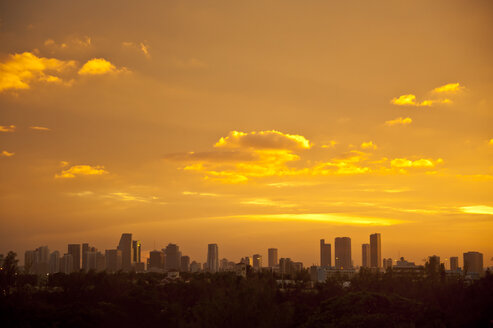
(343, 252)
(29, 261)
(125, 246)
(185, 264)
(114, 260)
(473, 262)
(156, 260)
(212, 258)
(100, 262)
(85, 249)
(325, 254)
(91, 260)
(454, 263)
(365, 255)
(74, 249)
(375, 251)
(387, 263)
(55, 262)
(67, 263)
(257, 262)
(272, 257)
(136, 251)
(42, 260)
(286, 266)
(434, 263)
(173, 257)
(195, 267)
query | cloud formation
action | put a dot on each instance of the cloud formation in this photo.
(368, 145)
(449, 88)
(81, 170)
(399, 121)
(420, 163)
(5, 153)
(263, 140)
(97, 66)
(410, 99)
(39, 128)
(477, 209)
(7, 128)
(19, 71)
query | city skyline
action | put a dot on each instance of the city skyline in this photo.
(268, 124)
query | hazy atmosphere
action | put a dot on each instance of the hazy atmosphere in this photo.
(248, 124)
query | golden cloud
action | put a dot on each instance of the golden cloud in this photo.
(477, 209)
(20, 70)
(399, 121)
(39, 128)
(81, 170)
(7, 128)
(97, 66)
(420, 163)
(368, 145)
(263, 140)
(5, 153)
(449, 88)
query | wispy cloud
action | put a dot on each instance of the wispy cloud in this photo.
(99, 66)
(434, 96)
(81, 170)
(399, 121)
(5, 153)
(7, 128)
(477, 209)
(449, 88)
(39, 128)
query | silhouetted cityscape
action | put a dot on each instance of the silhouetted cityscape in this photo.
(127, 257)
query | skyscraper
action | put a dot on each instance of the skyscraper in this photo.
(212, 258)
(67, 263)
(387, 263)
(375, 251)
(136, 251)
(74, 250)
(156, 260)
(85, 249)
(272, 257)
(257, 262)
(185, 264)
(365, 255)
(454, 263)
(42, 260)
(125, 246)
(114, 260)
(473, 262)
(325, 254)
(173, 257)
(29, 261)
(343, 253)
(55, 262)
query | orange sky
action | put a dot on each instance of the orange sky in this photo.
(248, 124)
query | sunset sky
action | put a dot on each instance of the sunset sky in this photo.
(250, 124)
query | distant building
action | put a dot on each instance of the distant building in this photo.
(195, 267)
(401, 263)
(272, 257)
(434, 263)
(173, 257)
(136, 251)
(365, 255)
(473, 263)
(325, 253)
(91, 260)
(114, 260)
(54, 262)
(85, 249)
(343, 253)
(246, 260)
(375, 251)
(125, 246)
(156, 260)
(387, 263)
(100, 262)
(74, 249)
(321, 274)
(454, 263)
(257, 262)
(29, 261)
(212, 258)
(67, 263)
(185, 264)
(240, 269)
(42, 265)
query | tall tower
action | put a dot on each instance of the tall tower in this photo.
(173, 257)
(125, 246)
(473, 262)
(212, 258)
(343, 253)
(365, 255)
(74, 250)
(375, 251)
(325, 254)
(136, 250)
(454, 263)
(272, 254)
(257, 262)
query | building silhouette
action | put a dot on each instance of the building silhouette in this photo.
(375, 251)
(325, 254)
(272, 257)
(342, 250)
(114, 260)
(257, 262)
(67, 263)
(54, 262)
(173, 257)
(454, 263)
(136, 251)
(365, 255)
(74, 250)
(185, 264)
(387, 263)
(473, 262)
(212, 258)
(156, 260)
(125, 246)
